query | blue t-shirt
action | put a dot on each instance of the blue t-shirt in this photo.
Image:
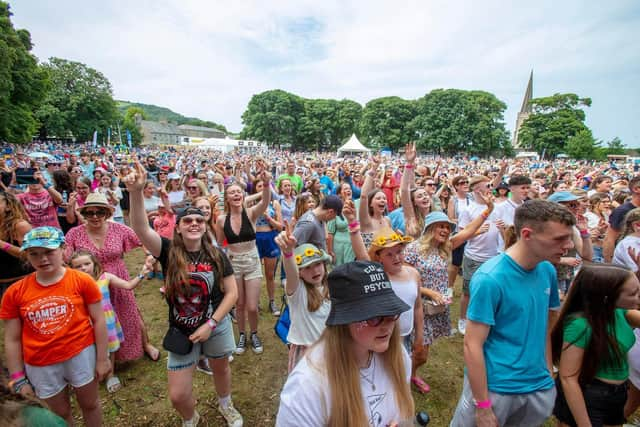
(327, 186)
(515, 303)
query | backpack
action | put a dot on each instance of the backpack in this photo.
(283, 323)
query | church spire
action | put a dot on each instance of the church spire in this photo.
(525, 111)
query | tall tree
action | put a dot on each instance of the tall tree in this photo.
(273, 117)
(80, 101)
(385, 122)
(582, 145)
(553, 121)
(23, 83)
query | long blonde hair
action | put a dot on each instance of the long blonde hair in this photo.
(343, 374)
(427, 243)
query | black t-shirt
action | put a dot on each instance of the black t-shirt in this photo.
(616, 220)
(191, 311)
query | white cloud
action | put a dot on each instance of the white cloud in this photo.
(206, 59)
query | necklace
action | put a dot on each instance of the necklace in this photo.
(371, 363)
(195, 259)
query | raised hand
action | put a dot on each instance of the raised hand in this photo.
(488, 200)
(266, 177)
(286, 240)
(349, 211)
(136, 179)
(410, 152)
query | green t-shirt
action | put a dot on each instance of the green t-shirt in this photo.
(296, 181)
(577, 331)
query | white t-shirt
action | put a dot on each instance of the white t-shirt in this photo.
(176, 197)
(407, 291)
(484, 246)
(151, 203)
(305, 399)
(621, 254)
(306, 326)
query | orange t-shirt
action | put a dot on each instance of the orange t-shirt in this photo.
(56, 325)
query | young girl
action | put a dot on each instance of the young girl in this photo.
(86, 262)
(590, 342)
(54, 330)
(307, 292)
(357, 373)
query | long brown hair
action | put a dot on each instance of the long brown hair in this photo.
(343, 376)
(177, 277)
(13, 214)
(593, 295)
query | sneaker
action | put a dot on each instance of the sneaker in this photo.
(242, 343)
(203, 366)
(274, 308)
(193, 422)
(231, 414)
(462, 325)
(256, 344)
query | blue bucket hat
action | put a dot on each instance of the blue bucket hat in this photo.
(434, 217)
(562, 196)
(43, 237)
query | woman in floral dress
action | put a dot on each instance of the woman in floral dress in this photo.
(109, 241)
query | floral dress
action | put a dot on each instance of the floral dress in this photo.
(433, 272)
(120, 239)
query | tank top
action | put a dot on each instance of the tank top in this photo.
(407, 291)
(13, 267)
(247, 233)
(262, 219)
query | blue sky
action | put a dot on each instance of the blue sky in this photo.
(207, 58)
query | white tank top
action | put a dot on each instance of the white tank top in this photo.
(407, 291)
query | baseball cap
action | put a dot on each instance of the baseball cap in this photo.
(188, 211)
(361, 290)
(173, 175)
(561, 197)
(43, 237)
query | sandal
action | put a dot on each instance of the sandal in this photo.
(421, 385)
(113, 384)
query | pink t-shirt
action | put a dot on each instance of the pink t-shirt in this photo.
(40, 208)
(165, 224)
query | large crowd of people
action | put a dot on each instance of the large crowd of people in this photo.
(367, 248)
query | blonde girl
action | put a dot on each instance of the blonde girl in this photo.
(86, 262)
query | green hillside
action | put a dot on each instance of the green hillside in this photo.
(156, 113)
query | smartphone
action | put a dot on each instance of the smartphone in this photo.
(25, 176)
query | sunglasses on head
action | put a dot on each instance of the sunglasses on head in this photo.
(190, 220)
(378, 320)
(98, 214)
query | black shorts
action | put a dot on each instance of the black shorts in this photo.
(457, 254)
(605, 403)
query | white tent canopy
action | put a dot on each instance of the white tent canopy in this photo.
(220, 144)
(353, 146)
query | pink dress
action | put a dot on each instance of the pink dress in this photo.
(120, 239)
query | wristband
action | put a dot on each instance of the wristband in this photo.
(17, 375)
(585, 234)
(354, 224)
(47, 186)
(140, 276)
(212, 324)
(6, 246)
(289, 255)
(485, 214)
(408, 166)
(16, 385)
(485, 404)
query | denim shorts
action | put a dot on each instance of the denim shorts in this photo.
(605, 403)
(47, 381)
(220, 344)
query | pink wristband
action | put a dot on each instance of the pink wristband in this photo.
(17, 375)
(6, 246)
(289, 255)
(484, 404)
(408, 166)
(354, 224)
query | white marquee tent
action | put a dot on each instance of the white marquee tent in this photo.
(353, 146)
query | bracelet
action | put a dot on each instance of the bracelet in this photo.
(585, 234)
(354, 224)
(6, 246)
(140, 276)
(408, 166)
(47, 186)
(212, 324)
(354, 231)
(16, 385)
(485, 214)
(289, 255)
(484, 404)
(17, 375)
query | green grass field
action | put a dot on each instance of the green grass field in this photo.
(257, 380)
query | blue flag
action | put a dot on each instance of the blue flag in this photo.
(129, 138)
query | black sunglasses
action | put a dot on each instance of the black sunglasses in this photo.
(98, 214)
(377, 321)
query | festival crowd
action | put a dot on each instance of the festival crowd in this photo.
(367, 249)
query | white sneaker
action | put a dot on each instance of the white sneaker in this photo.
(193, 422)
(462, 326)
(231, 414)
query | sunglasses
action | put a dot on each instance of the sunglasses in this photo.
(193, 188)
(98, 214)
(190, 220)
(573, 205)
(378, 320)
(431, 184)
(463, 182)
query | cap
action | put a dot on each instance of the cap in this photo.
(333, 202)
(308, 254)
(361, 290)
(173, 175)
(188, 211)
(561, 197)
(43, 237)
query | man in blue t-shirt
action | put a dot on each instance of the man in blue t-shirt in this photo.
(506, 347)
